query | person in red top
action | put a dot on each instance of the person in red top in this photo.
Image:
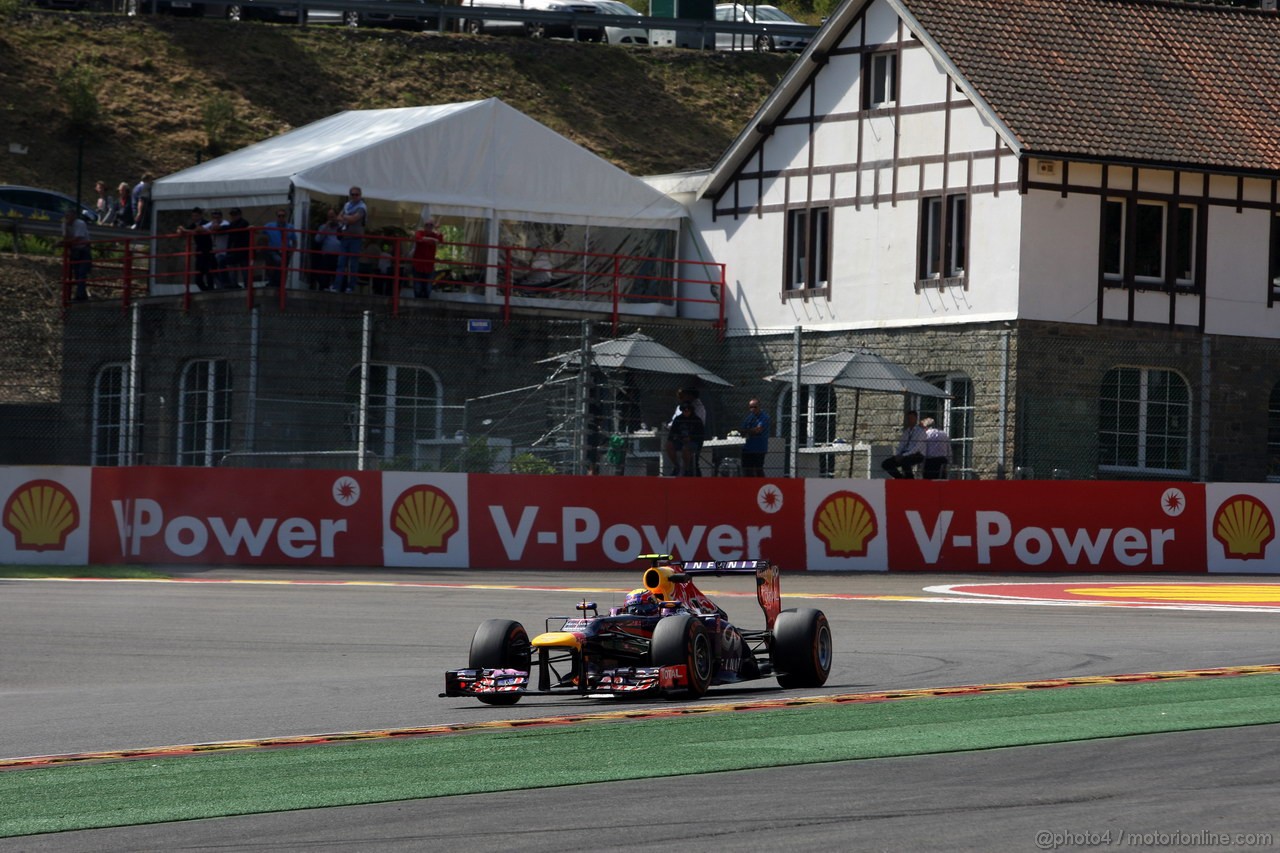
(425, 241)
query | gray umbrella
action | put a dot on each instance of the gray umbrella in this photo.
(861, 370)
(639, 352)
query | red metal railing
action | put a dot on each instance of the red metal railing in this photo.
(130, 266)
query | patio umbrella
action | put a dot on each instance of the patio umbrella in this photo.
(861, 370)
(638, 352)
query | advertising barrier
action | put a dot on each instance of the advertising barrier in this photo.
(213, 516)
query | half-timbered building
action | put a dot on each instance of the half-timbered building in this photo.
(1064, 211)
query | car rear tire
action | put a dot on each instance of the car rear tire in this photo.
(500, 644)
(764, 44)
(350, 19)
(802, 648)
(235, 13)
(474, 27)
(535, 31)
(683, 639)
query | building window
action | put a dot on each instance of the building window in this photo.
(943, 237)
(955, 416)
(403, 409)
(1154, 236)
(817, 424)
(880, 79)
(1273, 436)
(111, 441)
(1274, 266)
(204, 413)
(1144, 422)
(808, 250)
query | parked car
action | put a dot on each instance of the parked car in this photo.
(38, 205)
(621, 35)
(536, 29)
(777, 37)
(245, 10)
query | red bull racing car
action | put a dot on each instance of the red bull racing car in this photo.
(668, 639)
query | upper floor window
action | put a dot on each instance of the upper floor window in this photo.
(111, 433)
(880, 79)
(1144, 422)
(808, 250)
(204, 412)
(1152, 246)
(1273, 267)
(944, 239)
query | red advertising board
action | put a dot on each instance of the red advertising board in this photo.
(1045, 526)
(603, 522)
(234, 516)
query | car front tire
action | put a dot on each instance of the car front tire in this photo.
(683, 639)
(500, 644)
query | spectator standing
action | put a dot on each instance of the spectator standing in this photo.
(221, 258)
(201, 247)
(690, 396)
(237, 272)
(124, 206)
(141, 200)
(910, 451)
(328, 243)
(282, 239)
(426, 240)
(937, 450)
(352, 218)
(685, 440)
(75, 241)
(755, 427)
(103, 205)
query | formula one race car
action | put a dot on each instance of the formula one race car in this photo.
(668, 639)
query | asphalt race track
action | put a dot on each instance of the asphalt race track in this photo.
(100, 666)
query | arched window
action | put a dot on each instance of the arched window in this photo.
(817, 423)
(204, 412)
(955, 415)
(110, 439)
(403, 409)
(1144, 422)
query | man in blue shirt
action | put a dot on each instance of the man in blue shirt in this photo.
(755, 427)
(282, 238)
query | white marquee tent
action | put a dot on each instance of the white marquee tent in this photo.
(481, 159)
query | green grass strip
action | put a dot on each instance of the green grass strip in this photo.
(81, 572)
(256, 781)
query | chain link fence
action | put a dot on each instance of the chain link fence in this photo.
(449, 387)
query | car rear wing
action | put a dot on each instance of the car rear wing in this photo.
(664, 572)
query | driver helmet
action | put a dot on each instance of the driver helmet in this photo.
(640, 602)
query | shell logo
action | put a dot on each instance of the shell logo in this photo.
(1244, 526)
(424, 518)
(846, 524)
(41, 514)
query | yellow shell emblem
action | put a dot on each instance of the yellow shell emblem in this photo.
(1244, 526)
(424, 518)
(846, 524)
(41, 515)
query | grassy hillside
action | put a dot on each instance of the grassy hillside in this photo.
(163, 86)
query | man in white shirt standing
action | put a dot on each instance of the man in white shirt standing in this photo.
(910, 449)
(937, 450)
(75, 239)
